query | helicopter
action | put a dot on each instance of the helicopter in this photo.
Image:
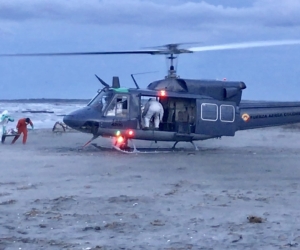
(193, 109)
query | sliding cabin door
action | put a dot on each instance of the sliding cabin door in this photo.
(215, 118)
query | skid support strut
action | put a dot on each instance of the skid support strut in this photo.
(175, 145)
(89, 142)
(195, 146)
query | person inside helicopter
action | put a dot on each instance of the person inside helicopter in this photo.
(153, 108)
(101, 100)
(119, 107)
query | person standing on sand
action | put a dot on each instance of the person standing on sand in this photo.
(22, 128)
(4, 119)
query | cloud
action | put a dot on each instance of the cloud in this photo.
(187, 14)
(277, 13)
(28, 26)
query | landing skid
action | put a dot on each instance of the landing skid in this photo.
(134, 150)
(124, 148)
(143, 150)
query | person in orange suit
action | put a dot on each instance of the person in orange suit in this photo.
(22, 128)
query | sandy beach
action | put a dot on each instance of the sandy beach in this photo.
(53, 196)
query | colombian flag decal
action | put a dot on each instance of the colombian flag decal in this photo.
(245, 117)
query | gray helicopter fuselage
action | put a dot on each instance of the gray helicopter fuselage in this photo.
(194, 110)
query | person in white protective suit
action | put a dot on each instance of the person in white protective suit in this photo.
(154, 109)
(4, 119)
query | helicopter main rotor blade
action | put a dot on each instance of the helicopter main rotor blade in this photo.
(168, 49)
(150, 52)
(244, 45)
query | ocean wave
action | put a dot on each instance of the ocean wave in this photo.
(42, 114)
(45, 100)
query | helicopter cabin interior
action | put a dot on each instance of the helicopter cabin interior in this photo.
(179, 114)
(186, 115)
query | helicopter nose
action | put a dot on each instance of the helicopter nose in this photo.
(72, 121)
(78, 119)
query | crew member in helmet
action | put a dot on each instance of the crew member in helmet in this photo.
(4, 119)
(22, 128)
(154, 109)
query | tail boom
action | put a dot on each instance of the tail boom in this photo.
(268, 114)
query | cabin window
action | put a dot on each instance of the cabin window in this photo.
(227, 113)
(119, 107)
(209, 112)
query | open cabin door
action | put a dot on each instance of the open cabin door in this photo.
(215, 118)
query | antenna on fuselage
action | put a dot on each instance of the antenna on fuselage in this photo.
(137, 86)
(132, 76)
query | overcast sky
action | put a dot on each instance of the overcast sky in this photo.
(29, 26)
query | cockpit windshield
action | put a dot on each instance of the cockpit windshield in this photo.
(101, 100)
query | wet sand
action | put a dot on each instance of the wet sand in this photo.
(53, 196)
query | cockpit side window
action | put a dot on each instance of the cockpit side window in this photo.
(101, 100)
(119, 107)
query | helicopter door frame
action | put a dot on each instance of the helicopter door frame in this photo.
(215, 118)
